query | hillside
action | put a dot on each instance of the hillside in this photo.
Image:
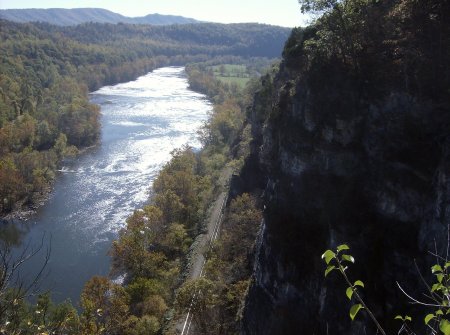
(352, 145)
(71, 17)
(46, 72)
(45, 113)
(346, 141)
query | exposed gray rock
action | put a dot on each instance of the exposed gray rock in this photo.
(374, 175)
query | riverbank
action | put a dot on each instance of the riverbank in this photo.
(26, 208)
(143, 121)
(25, 212)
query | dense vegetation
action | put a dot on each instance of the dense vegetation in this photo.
(153, 251)
(47, 71)
(327, 126)
(228, 270)
(353, 145)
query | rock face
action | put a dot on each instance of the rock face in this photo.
(341, 167)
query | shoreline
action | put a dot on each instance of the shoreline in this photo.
(25, 212)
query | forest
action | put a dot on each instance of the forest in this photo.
(46, 117)
(47, 72)
(155, 248)
(351, 143)
(340, 151)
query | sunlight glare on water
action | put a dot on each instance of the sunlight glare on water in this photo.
(142, 122)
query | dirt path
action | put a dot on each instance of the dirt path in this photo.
(205, 241)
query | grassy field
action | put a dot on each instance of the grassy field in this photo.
(231, 73)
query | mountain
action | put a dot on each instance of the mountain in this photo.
(70, 17)
(352, 145)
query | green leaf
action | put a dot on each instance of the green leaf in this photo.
(349, 293)
(447, 265)
(436, 287)
(439, 277)
(440, 312)
(444, 326)
(436, 268)
(329, 269)
(403, 318)
(348, 258)
(343, 247)
(358, 283)
(328, 256)
(428, 318)
(354, 310)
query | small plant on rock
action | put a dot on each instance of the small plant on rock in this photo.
(338, 260)
(439, 293)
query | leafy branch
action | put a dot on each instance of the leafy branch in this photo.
(439, 292)
(336, 261)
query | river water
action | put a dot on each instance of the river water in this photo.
(142, 122)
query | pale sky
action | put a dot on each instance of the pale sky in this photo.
(277, 12)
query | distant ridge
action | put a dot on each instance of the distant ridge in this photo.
(72, 17)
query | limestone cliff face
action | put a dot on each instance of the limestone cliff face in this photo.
(342, 167)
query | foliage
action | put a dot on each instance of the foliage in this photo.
(382, 45)
(47, 117)
(219, 302)
(18, 317)
(152, 248)
(437, 322)
(200, 297)
(105, 307)
(219, 295)
(338, 260)
(46, 72)
(317, 5)
(440, 298)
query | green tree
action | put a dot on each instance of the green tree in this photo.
(318, 5)
(105, 307)
(199, 297)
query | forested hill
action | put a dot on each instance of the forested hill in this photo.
(70, 17)
(352, 139)
(241, 39)
(46, 72)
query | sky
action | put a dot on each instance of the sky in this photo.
(284, 13)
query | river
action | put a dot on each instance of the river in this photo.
(142, 122)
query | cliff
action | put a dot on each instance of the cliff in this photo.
(352, 138)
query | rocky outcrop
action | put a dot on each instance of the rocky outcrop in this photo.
(343, 168)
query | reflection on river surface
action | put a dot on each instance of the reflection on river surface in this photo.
(142, 122)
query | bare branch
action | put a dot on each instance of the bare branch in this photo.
(415, 301)
(11, 280)
(437, 256)
(448, 242)
(433, 296)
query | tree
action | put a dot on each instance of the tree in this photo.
(317, 5)
(177, 239)
(13, 289)
(105, 307)
(199, 297)
(46, 317)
